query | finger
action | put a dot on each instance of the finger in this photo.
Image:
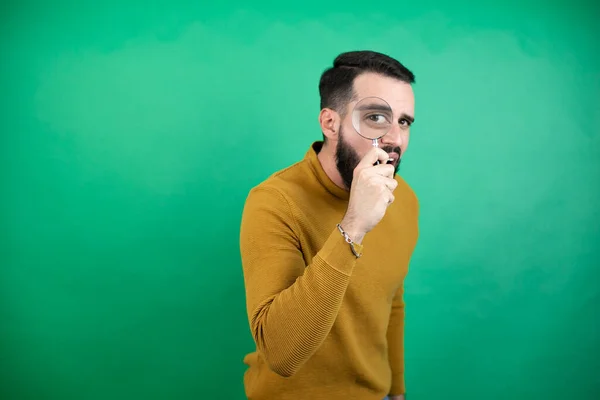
(390, 184)
(386, 170)
(375, 154)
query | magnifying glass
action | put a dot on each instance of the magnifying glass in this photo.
(372, 119)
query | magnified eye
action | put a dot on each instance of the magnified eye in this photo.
(377, 118)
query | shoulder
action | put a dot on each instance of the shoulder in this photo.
(277, 191)
(268, 208)
(283, 183)
(405, 187)
(406, 194)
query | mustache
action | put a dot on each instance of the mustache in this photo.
(392, 149)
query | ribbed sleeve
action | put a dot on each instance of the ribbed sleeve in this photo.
(291, 306)
(395, 338)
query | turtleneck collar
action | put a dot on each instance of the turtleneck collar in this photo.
(313, 160)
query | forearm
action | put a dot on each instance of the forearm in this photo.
(290, 316)
(291, 325)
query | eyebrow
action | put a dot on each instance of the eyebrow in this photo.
(407, 117)
(374, 107)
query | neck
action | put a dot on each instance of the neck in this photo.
(327, 159)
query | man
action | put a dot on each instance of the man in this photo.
(325, 247)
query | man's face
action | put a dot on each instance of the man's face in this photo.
(351, 147)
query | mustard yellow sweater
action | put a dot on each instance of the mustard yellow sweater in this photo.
(326, 324)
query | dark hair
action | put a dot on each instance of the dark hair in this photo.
(336, 86)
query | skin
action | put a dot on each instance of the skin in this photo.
(372, 187)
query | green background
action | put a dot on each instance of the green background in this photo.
(131, 134)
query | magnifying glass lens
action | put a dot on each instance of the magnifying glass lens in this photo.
(372, 118)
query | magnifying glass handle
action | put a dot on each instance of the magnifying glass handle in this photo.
(376, 144)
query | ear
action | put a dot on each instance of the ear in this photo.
(330, 123)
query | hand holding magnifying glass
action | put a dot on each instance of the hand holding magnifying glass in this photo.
(372, 188)
(372, 119)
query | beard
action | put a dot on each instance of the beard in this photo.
(346, 159)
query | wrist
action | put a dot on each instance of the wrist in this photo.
(354, 232)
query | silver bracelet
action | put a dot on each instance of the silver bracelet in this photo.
(349, 241)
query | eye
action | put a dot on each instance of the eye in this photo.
(404, 122)
(377, 118)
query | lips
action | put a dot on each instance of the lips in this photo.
(394, 156)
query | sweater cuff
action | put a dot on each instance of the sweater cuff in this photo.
(337, 253)
(398, 386)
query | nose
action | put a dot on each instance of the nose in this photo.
(394, 136)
